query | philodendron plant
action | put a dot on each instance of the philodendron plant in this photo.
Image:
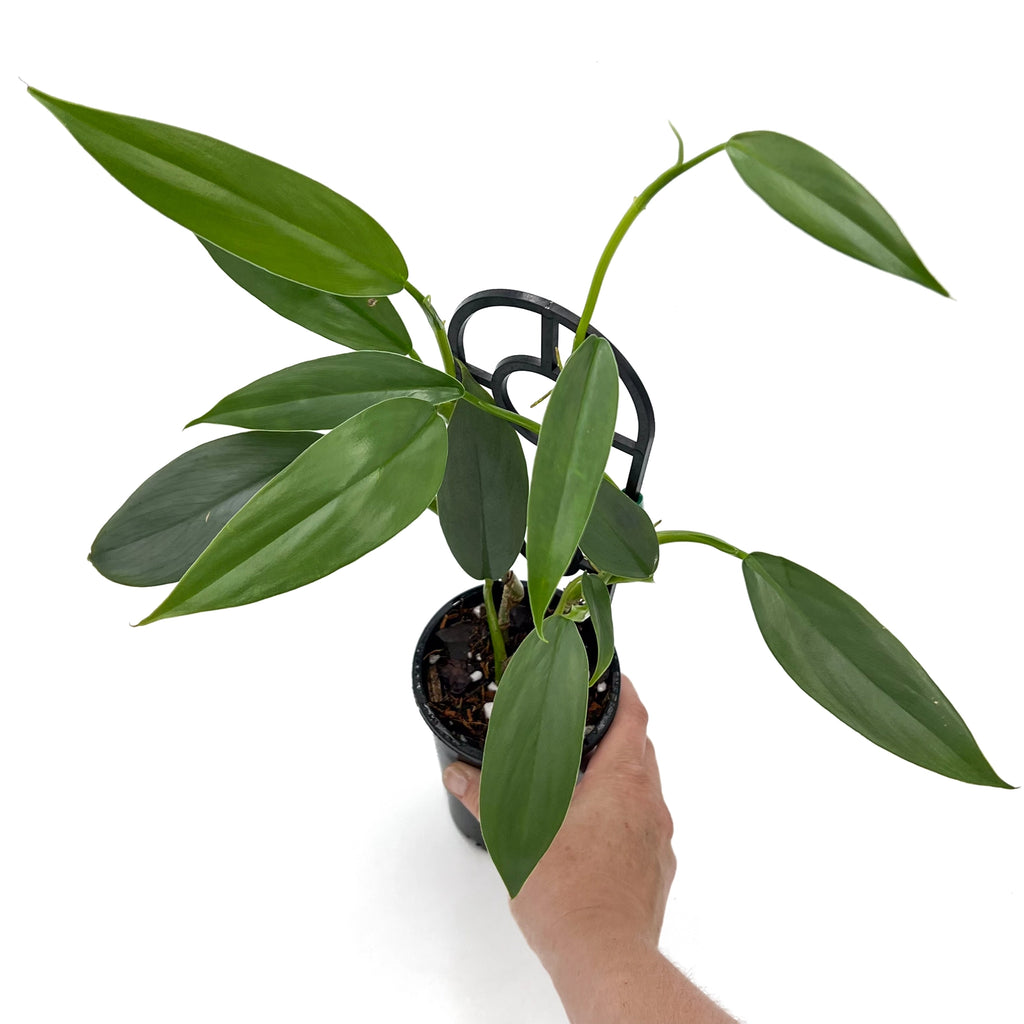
(339, 454)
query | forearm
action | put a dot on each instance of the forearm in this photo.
(630, 987)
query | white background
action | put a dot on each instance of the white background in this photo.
(237, 816)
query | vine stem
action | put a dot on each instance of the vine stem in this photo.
(638, 205)
(502, 414)
(436, 325)
(675, 536)
(497, 637)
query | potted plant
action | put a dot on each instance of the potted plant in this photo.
(341, 453)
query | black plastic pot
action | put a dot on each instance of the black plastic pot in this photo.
(452, 746)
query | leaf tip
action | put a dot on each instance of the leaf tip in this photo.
(921, 275)
(45, 98)
(153, 616)
(998, 783)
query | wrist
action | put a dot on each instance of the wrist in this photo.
(591, 970)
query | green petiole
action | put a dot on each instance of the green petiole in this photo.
(502, 414)
(436, 325)
(497, 637)
(691, 536)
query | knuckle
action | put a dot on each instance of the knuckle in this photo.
(670, 864)
(639, 714)
(668, 826)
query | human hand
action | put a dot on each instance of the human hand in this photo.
(603, 883)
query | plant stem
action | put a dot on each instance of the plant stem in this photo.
(634, 211)
(502, 414)
(512, 417)
(436, 325)
(674, 536)
(497, 638)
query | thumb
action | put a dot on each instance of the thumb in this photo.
(463, 782)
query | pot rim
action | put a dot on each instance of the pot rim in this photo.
(465, 749)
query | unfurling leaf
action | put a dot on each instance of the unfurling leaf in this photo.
(599, 604)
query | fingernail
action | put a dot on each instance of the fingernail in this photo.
(455, 779)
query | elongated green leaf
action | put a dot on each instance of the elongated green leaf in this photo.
(168, 521)
(620, 538)
(818, 196)
(352, 490)
(254, 208)
(572, 450)
(359, 323)
(482, 501)
(599, 604)
(321, 393)
(533, 750)
(837, 652)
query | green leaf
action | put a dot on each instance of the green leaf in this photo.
(168, 521)
(599, 604)
(572, 450)
(358, 323)
(533, 750)
(818, 196)
(254, 208)
(620, 538)
(352, 490)
(482, 501)
(321, 393)
(837, 652)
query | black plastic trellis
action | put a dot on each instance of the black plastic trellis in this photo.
(552, 316)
